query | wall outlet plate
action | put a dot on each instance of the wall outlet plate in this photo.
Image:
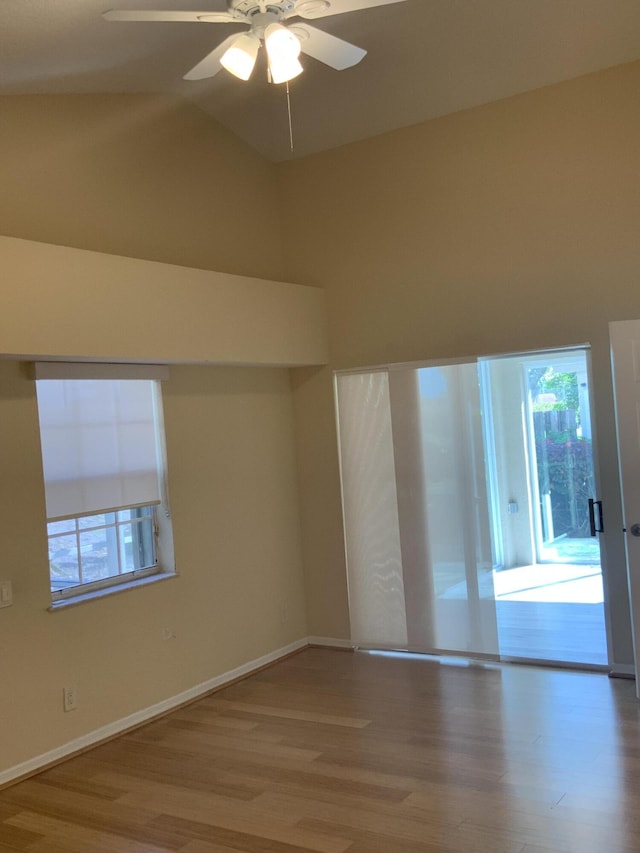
(6, 594)
(69, 698)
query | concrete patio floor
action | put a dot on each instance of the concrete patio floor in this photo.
(559, 582)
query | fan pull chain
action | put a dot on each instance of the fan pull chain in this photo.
(290, 122)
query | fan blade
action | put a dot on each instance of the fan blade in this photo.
(325, 8)
(210, 65)
(206, 17)
(326, 48)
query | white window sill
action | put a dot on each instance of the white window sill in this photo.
(84, 597)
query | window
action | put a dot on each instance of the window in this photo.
(102, 439)
(99, 547)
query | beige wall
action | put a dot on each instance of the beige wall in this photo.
(508, 227)
(512, 476)
(151, 179)
(503, 228)
(135, 175)
(101, 306)
(234, 509)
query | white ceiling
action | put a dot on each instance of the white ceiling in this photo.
(426, 58)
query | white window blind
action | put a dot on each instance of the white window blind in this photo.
(101, 443)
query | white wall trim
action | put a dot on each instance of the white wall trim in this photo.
(39, 762)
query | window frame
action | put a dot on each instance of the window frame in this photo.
(74, 589)
(164, 566)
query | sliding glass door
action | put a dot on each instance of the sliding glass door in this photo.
(466, 492)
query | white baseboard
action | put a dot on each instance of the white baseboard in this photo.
(39, 762)
(330, 642)
(33, 765)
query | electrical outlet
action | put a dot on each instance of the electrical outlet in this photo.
(283, 613)
(6, 594)
(69, 698)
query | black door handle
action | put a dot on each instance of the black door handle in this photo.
(593, 526)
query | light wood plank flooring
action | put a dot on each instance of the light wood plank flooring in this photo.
(333, 752)
(552, 612)
(552, 631)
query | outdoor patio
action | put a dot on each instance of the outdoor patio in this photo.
(551, 611)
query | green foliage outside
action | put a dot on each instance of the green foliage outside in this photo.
(544, 380)
(564, 460)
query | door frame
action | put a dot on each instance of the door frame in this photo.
(583, 353)
(625, 369)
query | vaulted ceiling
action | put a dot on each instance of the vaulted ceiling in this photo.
(426, 58)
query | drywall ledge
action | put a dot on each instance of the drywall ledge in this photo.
(60, 302)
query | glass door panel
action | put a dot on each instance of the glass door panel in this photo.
(549, 592)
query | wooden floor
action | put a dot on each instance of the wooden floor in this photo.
(332, 751)
(552, 631)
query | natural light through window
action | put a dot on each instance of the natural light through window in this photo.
(99, 547)
(102, 441)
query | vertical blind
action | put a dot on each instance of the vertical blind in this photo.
(415, 506)
(370, 509)
(101, 444)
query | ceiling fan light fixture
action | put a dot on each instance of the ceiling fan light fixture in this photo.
(240, 58)
(283, 50)
(282, 72)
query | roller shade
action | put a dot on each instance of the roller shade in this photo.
(101, 447)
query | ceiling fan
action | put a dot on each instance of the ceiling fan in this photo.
(264, 18)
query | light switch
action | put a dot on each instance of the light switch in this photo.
(6, 594)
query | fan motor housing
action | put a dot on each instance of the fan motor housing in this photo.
(276, 8)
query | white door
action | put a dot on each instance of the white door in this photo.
(625, 348)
